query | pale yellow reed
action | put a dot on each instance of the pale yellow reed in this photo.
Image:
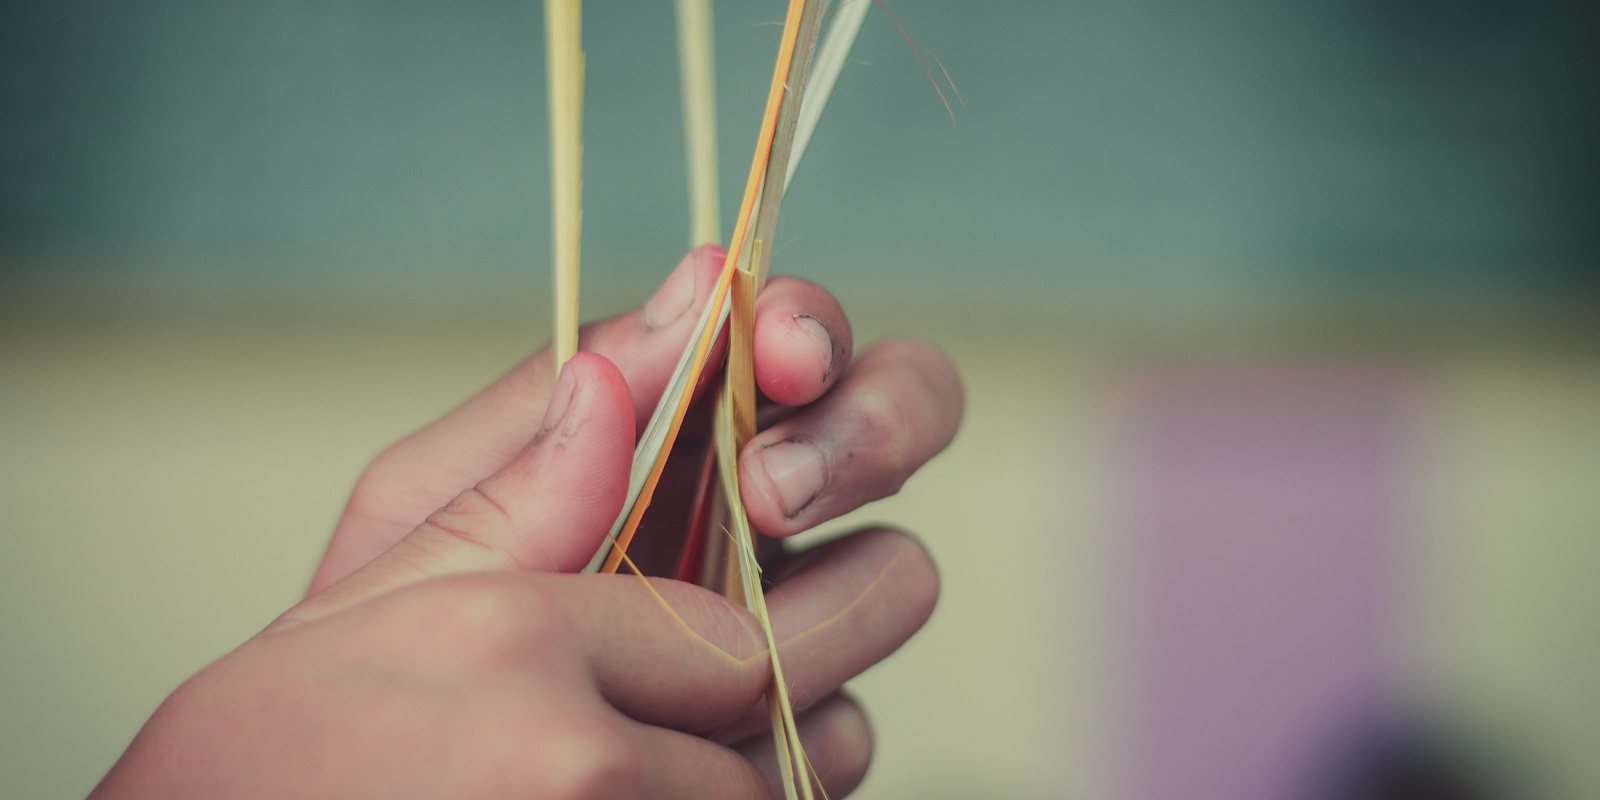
(697, 68)
(564, 58)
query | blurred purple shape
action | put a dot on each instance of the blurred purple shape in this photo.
(1267, 520)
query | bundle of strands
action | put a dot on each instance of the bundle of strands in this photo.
(802, 79)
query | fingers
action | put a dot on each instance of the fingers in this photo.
(847, 605)
(424, 471)
(678, 656)
(897, 406)
(608, 676)
(644, 761)
(838, 743)
(840, 608)
(802, 341)
(665, 652)
(548, 509)
(621, 760)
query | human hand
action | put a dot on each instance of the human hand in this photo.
(443, 652)
(873, 419)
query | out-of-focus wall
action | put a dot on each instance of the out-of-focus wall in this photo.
(1333, 139)
(1276, 321)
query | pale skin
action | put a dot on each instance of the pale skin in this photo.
(446, 649)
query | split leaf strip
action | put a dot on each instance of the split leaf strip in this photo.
(705, 555)
(655, 443)
(740, 377)
(830, 61)
(772, 185)
(735, 420)
(776, 94)
(656, 440)
(668, 417)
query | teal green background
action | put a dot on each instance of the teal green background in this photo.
(1422, 142)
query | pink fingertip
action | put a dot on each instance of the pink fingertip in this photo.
(795, 359)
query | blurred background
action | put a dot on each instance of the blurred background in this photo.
(1281, 470)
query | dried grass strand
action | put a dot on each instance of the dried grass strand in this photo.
(565, 68)
(697, 74)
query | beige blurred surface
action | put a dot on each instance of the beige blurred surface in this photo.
(167, 482)
(1516, 560)
(170, 481)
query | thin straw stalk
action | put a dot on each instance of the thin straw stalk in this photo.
(564, 57)
(697, 73)
(793, 765)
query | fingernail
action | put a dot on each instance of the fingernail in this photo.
(672, 299)
(814, 329)
(798, 473)
(560, 399)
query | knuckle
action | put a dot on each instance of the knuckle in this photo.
(590, 759)
(933, 373)
(385, 462)
(383, 472)
(483, 622)
(913, 405)
(887, 423)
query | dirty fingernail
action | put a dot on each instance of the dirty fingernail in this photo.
(798, 473)
(814, 329)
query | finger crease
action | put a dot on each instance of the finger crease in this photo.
(465, 535)
(490, 499)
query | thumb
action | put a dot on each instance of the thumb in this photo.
(546, 510)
